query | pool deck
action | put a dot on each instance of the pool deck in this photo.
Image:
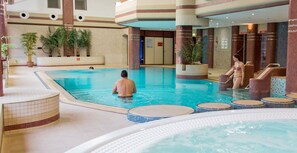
(76, 124)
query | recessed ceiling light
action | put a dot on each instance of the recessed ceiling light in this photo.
(253, 13)
(210, 20)
(227, 17)
(232, 21)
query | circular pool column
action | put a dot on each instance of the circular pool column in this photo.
(247, 104)
(272, 102)
(207, 107)
(155, 112)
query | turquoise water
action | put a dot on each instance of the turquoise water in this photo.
(277, 136)
(154, 86)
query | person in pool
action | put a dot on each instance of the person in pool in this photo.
(238, 69)
(124, 87)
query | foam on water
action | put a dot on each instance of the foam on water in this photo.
(275, 136)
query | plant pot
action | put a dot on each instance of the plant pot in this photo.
(30, 64)
(192, 72)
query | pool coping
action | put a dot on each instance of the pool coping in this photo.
(67, 98)
(132, 139)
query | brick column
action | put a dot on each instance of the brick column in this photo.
(271, 43)
(237, 43)
(210, 47)
(134, 40)
(68, 22)
(2, 33)
(291, 82)
(253, 46)
(183, 34)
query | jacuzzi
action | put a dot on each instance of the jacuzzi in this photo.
(250, 130)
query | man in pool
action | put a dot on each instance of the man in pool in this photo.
(124, 87)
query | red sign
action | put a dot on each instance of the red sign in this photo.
(160, 43)
(78, 59)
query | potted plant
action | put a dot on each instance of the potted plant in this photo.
(191, 67)
(191, 53)
(83, 41)
(29, 42)
(49, 42)
(4, 49)
(70, 40)
(59, 37)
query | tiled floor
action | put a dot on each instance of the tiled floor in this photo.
(76, 125)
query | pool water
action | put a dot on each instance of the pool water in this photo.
(274, 136)
(154, 86)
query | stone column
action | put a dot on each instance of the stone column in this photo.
(185, 19)
(253, 46)
(183, 34)
(291, 79)
(2, 33)
(134, 40)
(237, 43)
(210, 47)
(68, 22)
(271, 43)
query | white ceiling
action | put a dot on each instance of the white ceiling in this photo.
(272, 14)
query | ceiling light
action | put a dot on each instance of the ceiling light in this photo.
(253, 14)
(227, 17)
(232, 21)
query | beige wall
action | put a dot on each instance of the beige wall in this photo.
(107, 42)
(222, 55)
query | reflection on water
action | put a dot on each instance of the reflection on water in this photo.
(154, 86)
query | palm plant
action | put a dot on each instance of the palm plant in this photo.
(191, 52)
(70, 39)
(29, 42)
(49, 42)
(4, 49)
(84, 41)
(59, 36)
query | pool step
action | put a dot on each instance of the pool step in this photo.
(247, 104)
(155, 112)
(208, 107)
(272, 102)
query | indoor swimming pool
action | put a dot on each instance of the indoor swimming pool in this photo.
(154, 86)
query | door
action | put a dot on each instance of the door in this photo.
(168, 50)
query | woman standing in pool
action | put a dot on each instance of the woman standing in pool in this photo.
(238, 75)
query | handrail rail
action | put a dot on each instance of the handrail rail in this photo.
(230, 78)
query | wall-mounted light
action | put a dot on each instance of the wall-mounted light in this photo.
(250, 27)
(24, 15)
(53, 16)
(80, 18)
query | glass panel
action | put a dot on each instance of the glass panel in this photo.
(81, 4)
(53, 3)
